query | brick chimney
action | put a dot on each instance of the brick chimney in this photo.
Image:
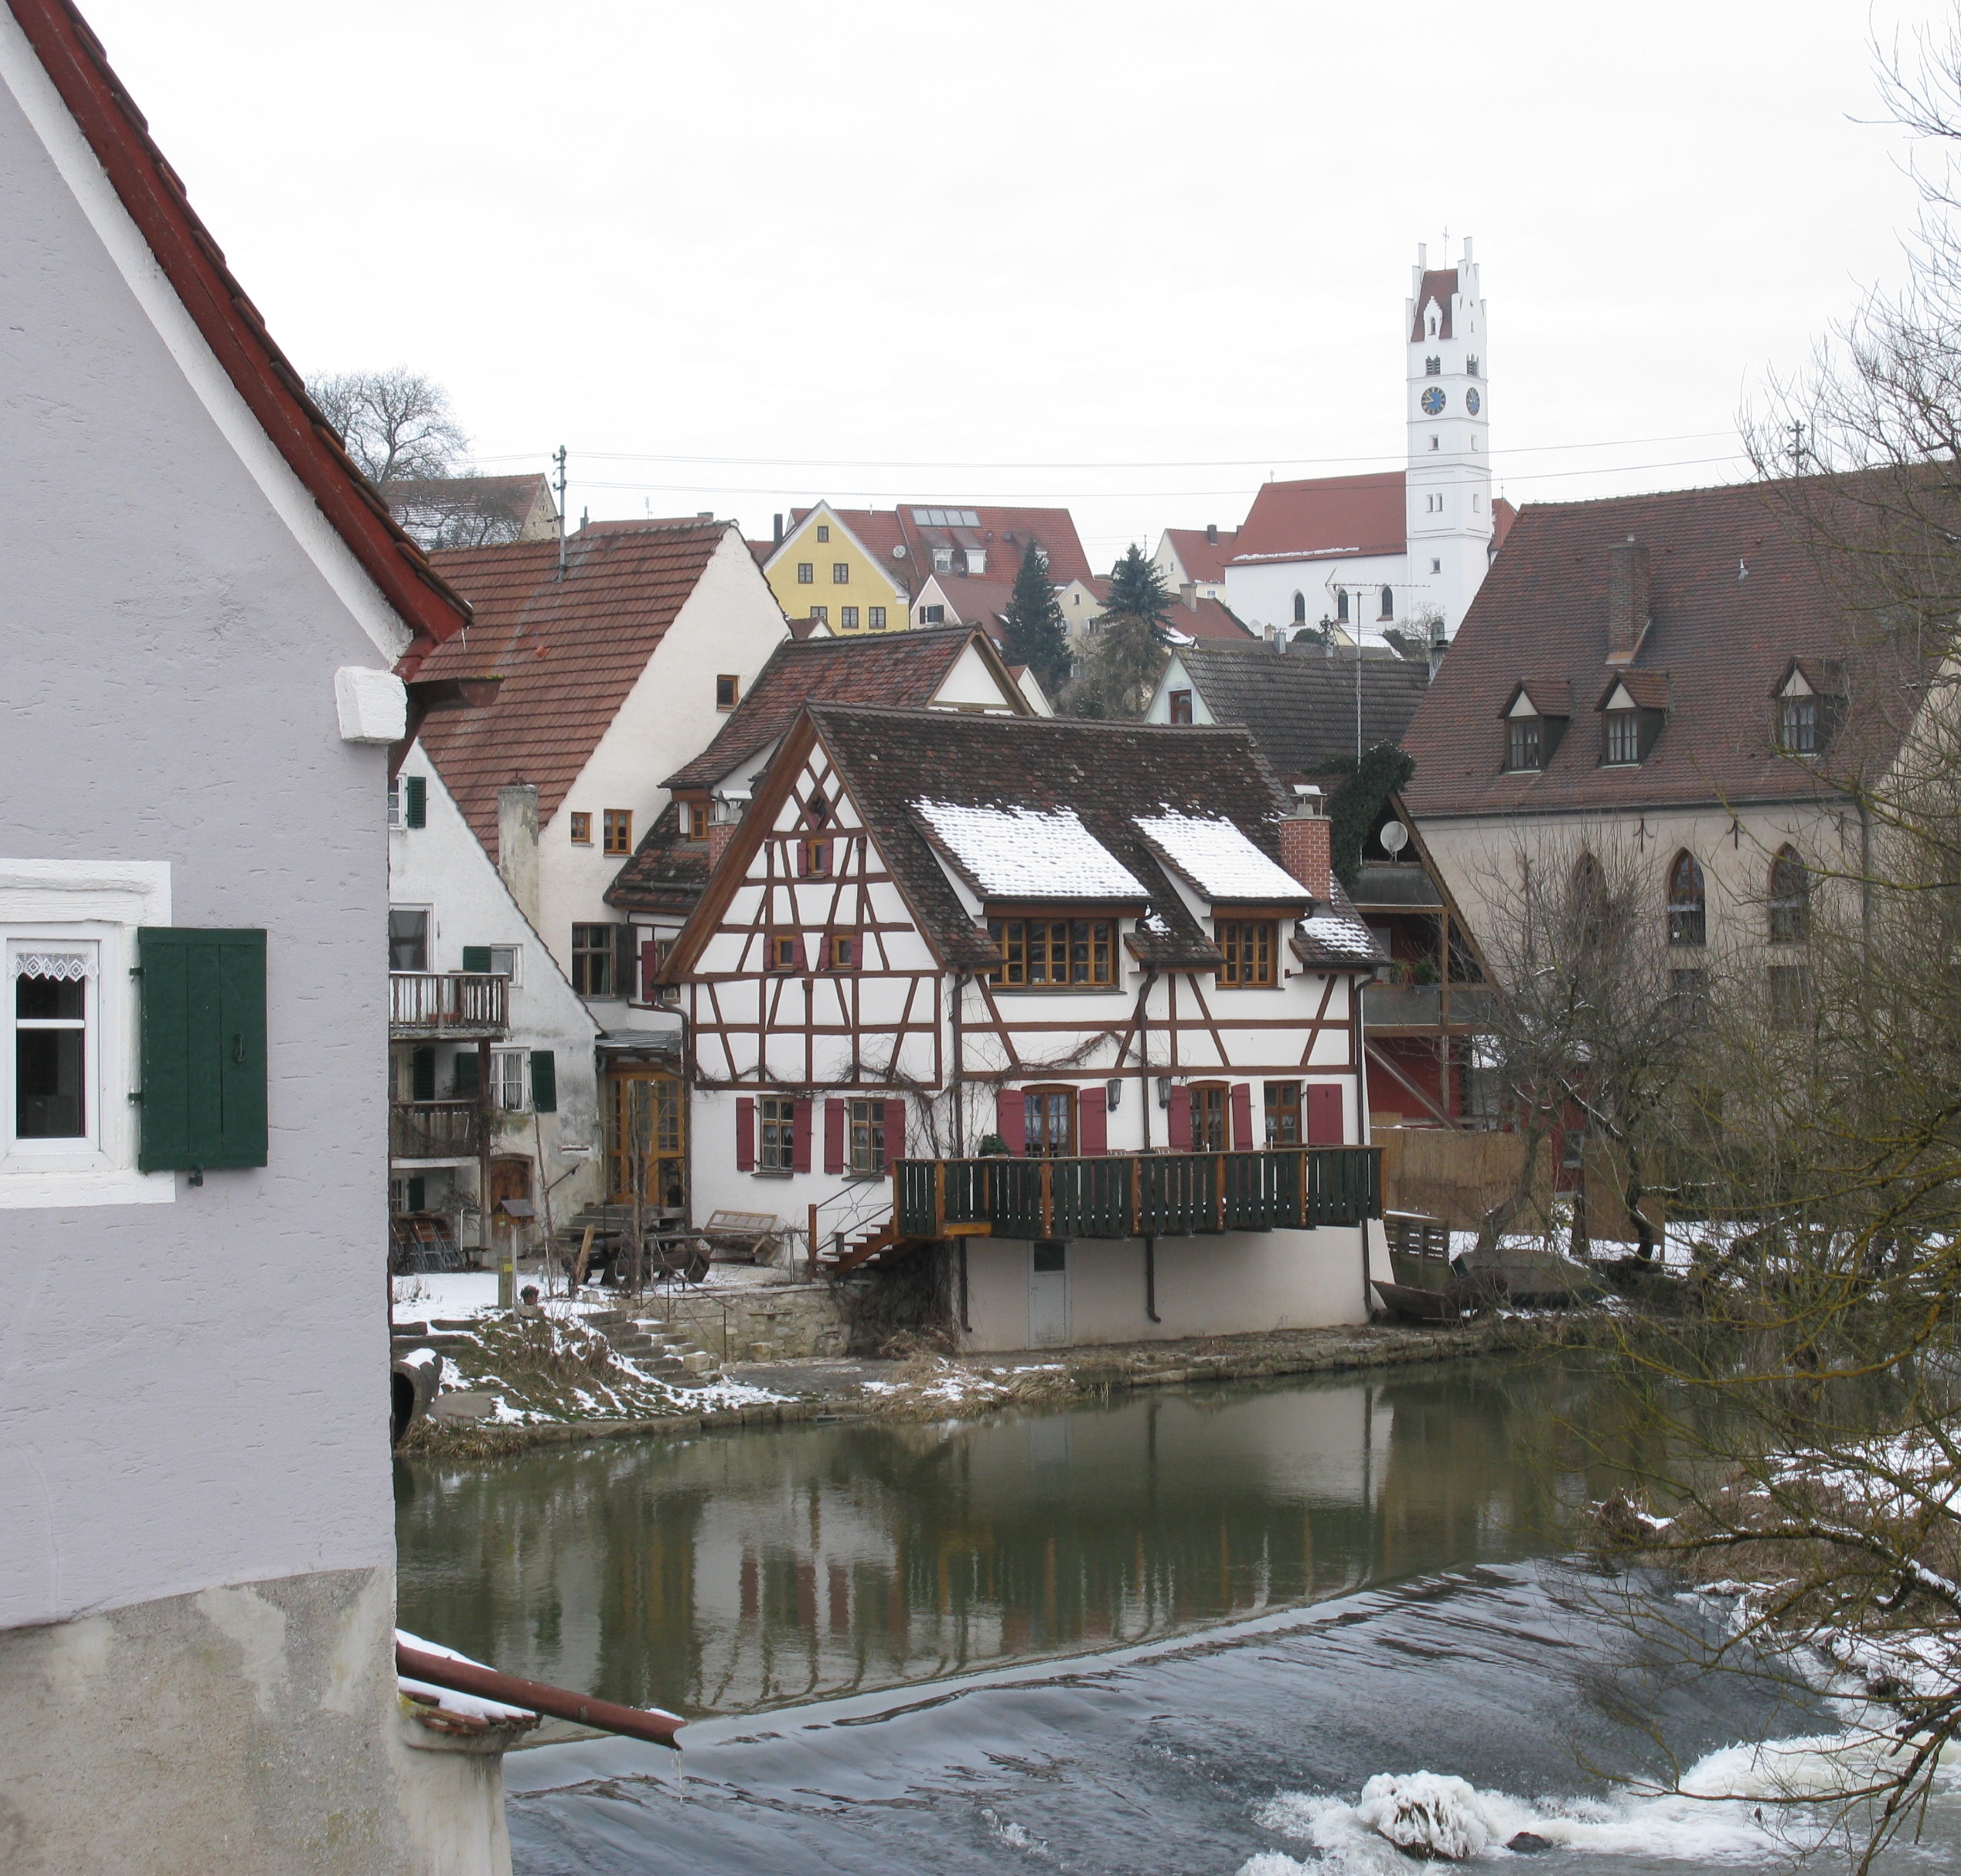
(1188, 592)
(1627, 599)
(1305, 851)
(720, 834)
(1211, 533)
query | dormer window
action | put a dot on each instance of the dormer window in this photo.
(1433, 367)
(1631, 714)
(942, 560)
(1533, 726)
(1808, 708)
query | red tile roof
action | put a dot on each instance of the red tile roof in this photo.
(568, 651)
(1439, 284)
(1329, 514)
(1004, 533)
(1204, 560)
(1209, 620)
(194, 265)
(1734, 598)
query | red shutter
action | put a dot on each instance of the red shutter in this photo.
(1177, 1120)
(1323, 1115)
(745, 1135)
(650, 969)
(1093, 1121)
(824, 952)
(1010, 1119)
(1243, 1141)
(895, 1130)
(834, 1136)
(803, 959)
(799, 1137)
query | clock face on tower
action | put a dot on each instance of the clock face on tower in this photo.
(1432, 402)
(1472, 401)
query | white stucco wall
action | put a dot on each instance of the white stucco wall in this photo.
(442, 866)
(728, 625)
(1261, 592)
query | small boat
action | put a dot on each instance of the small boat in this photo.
(1419, 1304)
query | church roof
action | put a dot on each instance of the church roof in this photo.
(1325, 516)
(1439, 284)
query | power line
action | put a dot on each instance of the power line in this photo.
(935, 462)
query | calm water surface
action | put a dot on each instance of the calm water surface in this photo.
(1104, 1639)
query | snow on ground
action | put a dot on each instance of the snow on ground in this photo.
(1217, 857)
(1021, 853)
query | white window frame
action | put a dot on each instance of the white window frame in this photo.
(515, 952)
(510, 1069)
(67, 904)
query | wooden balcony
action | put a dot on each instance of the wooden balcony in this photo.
(1153, 1194)
(433, 1130)
(453, 1006)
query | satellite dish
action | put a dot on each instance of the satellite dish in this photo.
(1394, 837)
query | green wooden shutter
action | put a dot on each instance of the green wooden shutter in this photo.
(421, 1082)
(476, 957)
(466, 1075)
(414, 800)
(202, 1048)
(543, 1081)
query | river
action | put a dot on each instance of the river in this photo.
(1176, 1633)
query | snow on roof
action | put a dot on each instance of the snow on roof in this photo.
(1025, 853)
(1340, 935)
(1217, 857)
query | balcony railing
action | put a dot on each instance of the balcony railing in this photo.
(447, 1003)
(434, 1130)
(1425, 1006)
(1155, 1194)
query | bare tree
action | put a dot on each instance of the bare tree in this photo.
(396, 424)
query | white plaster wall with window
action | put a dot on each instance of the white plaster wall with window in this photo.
(727, 627)
(1262, 592)
(441, 868)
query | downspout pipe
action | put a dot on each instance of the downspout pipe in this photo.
(1144, 1102)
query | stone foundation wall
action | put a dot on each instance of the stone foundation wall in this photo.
(792, 1320)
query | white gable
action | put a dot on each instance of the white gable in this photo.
(1620, 699)
(1523, 707)
(972, 684)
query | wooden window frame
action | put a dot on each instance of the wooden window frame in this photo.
(616, 832)
(1274, 1111)
(1048, 1092)
(784, 957)
(1179, 706)
(875, 618)
(1620, 746)
(1525, 745)
(1687, 904)
(864, 1128)
(581, 829)
(824, 533)
(850, 944)
(586, 949)
(841, 573)
(1210, 1101)
(1014, 936)
(806, 573)
(1790, 906)
(776, 1133)
(1235, 937)
(1801, 725)
(847, 618)
(728, 690)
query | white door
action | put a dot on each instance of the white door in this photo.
(1048, 1295)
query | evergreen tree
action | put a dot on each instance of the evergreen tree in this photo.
(1126, 653)
(1035, 634)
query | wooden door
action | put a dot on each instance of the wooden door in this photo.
(646, 1138)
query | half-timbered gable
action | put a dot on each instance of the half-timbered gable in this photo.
(940, 942)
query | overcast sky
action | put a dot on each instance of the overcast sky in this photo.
(1134, 258)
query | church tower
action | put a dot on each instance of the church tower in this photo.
(1448, 488)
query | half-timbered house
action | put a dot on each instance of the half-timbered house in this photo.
(1077, 1003)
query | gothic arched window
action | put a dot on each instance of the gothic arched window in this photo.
(1790, 898)
(1688, 915)
(1301, 608)
(1389, 602)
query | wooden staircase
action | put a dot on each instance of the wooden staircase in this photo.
(883, 1244)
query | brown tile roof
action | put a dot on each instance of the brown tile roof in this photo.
(890, 760)
(1439, 284)
(666, 872)
(898, 668)
(1204, 560)
(568, 652)
(1327, 515)
(1299, 705)
(1734, 598)
(193, 264)
(1502, 516)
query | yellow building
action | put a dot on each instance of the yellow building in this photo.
(851, 571)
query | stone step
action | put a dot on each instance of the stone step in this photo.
(442, 1344)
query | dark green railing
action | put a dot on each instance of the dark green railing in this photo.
(1134, 1195)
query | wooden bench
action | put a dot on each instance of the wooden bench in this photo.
(754, 1234)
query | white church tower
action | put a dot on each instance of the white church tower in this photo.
(1448, 488)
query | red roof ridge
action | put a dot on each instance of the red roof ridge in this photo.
(194, 265)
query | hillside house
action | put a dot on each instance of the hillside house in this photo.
(1045, 993)
(204, 609)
